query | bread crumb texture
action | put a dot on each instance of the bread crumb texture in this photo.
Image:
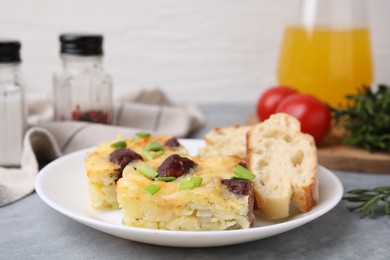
(285, 163)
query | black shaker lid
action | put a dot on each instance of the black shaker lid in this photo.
(9, 51)
(82, 44)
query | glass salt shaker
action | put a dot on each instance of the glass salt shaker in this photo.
(83, 91)
(12, 108)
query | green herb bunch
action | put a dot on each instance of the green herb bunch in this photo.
(366, 118)
(369, 200)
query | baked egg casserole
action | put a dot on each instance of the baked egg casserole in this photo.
(105, 164)
(213, 202)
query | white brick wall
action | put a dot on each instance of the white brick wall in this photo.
(196, 50)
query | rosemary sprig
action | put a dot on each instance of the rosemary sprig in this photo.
(369, 200)
(366, 118)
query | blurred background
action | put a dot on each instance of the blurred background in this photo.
(199, 51)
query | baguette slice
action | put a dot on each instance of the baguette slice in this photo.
(226, 141)
(284, 161)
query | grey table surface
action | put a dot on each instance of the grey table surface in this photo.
(29, 229)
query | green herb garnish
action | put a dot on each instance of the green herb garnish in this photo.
(197, 181)
(153, 146)
(369, 200)
(152, 154)
(147, 155)
(242, 173)
(119, 144)
(234, 178)
(143, 134)
(159, 153)
(152, 189)
(147, 171)
(188, 185)
(366, 118)
(166, 179)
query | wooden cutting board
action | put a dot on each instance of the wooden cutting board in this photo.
(334, 155)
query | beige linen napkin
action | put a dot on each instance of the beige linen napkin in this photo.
(46, 140)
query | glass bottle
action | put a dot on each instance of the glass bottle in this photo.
(12, 108)
(83, 91)
(326, 49)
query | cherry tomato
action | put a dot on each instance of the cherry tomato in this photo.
(314, 115)
(270, 99)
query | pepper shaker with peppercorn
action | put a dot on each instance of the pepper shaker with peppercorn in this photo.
(83, 91)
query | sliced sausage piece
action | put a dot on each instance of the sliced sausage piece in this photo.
(244, 188)
(175, 166)
(172, 143)
(123, 157)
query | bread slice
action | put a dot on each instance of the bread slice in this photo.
(225, 141)
(284, 161)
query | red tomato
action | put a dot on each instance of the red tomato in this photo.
(313, 114)
(270, 99)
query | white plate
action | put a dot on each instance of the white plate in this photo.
(62, 185)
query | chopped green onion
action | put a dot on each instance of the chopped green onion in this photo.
(243, 173)
(119, 144)
(166, 179)
(235, 178)
(192, 183)
(152, 189)
(196, 180)
(159, 153)
(147, 171)
(143, 134)
(148, 156)
(153, 146)
(188, 185)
